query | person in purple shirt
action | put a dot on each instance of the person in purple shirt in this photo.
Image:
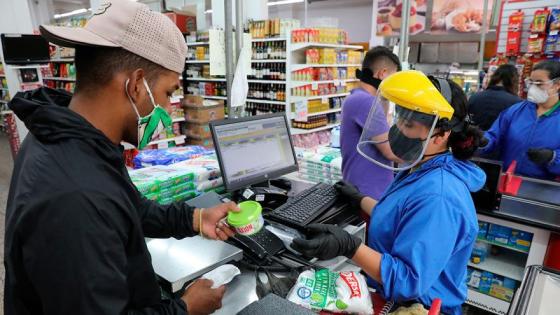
(370, 179)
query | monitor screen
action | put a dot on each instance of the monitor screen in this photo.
(253, 150)
(488, 198)
(25, 49)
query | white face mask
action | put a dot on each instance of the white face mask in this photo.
(537, 95)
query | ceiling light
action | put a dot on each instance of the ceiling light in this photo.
(71, 13)
(270, 4)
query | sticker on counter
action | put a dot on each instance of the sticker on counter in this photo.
(248, 193)
(259, 198)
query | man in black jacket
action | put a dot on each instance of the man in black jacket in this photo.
(75, 223)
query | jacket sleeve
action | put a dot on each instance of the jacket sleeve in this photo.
(420, 253)
(164, 221)
(495, 134)
(76, 259)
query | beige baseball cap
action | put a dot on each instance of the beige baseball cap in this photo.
(131, 26)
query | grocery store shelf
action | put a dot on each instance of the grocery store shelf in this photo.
(28, 67)
(268, 60)
(266, 81)
(298, 46)
(206, 79)
(505, 264)
(297, 131)
(63, 60)
(335, 82)
(300, 66)
(197, 61)
(176, 99)
(178, 119)
(487, 302)
(334, 110)
(299, 98)
(197, 43)
(175, 139)
(265, 101)
(59, 79)
(502, 245)
(257, 40)
(213, 97)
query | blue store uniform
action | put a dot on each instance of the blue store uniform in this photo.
(425, 226)
(518, 129)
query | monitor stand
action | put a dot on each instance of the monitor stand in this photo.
(269, 196)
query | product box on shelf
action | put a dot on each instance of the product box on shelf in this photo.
(197, 130)
(482, 229)
(474, 279)
(199, 110)
(499, 290)
(486, 279)
(479, 252)
(499, 234)
(520, 239)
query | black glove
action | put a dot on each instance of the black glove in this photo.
(540, 156)
(351, 193)
(326, 241)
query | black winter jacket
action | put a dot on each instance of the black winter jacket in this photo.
(75, 223)
(486, 106)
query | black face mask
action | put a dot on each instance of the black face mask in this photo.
(366, 76)
(408, 149)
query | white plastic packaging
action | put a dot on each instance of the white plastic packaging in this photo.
(222, 275)
(340, 292)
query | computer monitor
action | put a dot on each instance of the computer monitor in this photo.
(488, 198)
(253, 150)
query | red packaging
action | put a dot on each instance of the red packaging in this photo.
(184, 23)
(536, 43)
(515, 25)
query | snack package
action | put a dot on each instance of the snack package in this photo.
(539, 21)
(536, 43)
(339, 292)
(554, 20)
(513, 42)
(551, 41)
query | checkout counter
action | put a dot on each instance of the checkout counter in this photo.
(177, 262)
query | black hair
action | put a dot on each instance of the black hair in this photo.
(465, 138)
(379, 54)
(552, 67)
(508, 76)
(96, 66)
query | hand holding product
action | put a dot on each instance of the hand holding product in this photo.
(201, 299)
(210, 222)
(326, 241)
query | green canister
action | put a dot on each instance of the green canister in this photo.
(249, 220)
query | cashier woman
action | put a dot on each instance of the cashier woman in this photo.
(529, 132)
(423, 228)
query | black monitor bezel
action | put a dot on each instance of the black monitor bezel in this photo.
(263, 177)
(19, 60)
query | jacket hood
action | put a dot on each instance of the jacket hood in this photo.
(468, 172)
(45, 113)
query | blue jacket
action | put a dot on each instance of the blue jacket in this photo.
(518, 129)
(425, 226)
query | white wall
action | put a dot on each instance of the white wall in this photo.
(354, 16)
(15, 17)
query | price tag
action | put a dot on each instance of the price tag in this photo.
(248, 193)
(343, 83)
(325, 100)
(163, 145)
(314, 85)
(179, 140)
(301, 110)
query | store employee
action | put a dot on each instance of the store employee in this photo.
(423, 228)
(529, 132)
(75, 224)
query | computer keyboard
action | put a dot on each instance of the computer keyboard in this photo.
(302, 209)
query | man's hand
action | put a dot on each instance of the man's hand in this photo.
(327, 241)
(213, 223)
(201, 299)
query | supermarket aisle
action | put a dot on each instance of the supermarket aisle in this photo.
(6, 164)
